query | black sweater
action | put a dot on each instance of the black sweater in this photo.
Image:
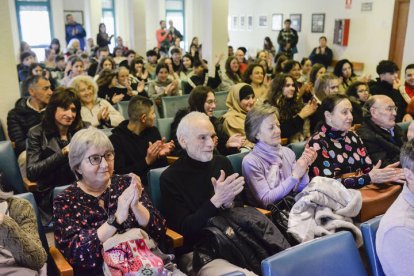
(186, 191)
(131, 150)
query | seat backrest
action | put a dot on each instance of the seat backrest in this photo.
(2, 134)
(40, 229)
(404, 126)
(334, 254)
(369, 233)
(122, 107)
(171, 104)
(10, 169)
(58, 190)
(221, 97)
(236, 161)
(154, 190)
(219, 113)
(297, 148)
(164, 126)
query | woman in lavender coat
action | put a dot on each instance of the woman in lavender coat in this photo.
(270, 170)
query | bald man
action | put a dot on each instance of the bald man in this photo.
(381, 136)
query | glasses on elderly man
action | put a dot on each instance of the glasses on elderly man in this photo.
(96, 159)
(388, 108)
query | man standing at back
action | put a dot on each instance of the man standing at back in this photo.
(74, 30)
(388, 84)
(163, 37)
(27, 113)
(287, 40)
(395, 235)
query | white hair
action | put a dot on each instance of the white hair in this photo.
(187, 124)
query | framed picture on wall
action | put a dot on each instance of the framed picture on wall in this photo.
(296, 19)
(277, 21)
(250, 22)
(262, 21)
(235, 23)
(318, 22)
(77, 16)
(242, 22)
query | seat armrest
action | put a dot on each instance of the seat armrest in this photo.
(176, 239)
(62, 266)
(171, 159)
(265, 212)
(29, 185)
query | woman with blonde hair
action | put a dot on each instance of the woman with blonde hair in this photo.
(99, 112)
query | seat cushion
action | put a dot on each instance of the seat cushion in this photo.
(376, 199)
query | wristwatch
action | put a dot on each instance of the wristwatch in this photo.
(112, 221)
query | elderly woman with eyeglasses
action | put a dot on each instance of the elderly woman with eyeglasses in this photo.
(99, 204)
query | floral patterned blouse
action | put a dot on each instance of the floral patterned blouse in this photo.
(339, 153)
(77, 216)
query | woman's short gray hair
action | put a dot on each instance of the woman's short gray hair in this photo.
(186, 124)
(83, 140)
(255, 118)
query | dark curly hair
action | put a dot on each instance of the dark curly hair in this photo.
(288, 107)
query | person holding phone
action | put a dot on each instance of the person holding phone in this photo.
(99, 204)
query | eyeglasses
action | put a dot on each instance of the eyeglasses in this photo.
(96, 159)
(388, 108)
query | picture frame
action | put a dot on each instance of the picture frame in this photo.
(277, 21)
(296, 19)
(250, 22)
(234, 22)
(242, 22)
(262, 21)
(77, 16)
(318, 22)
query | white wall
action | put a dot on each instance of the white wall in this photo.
(369, 35)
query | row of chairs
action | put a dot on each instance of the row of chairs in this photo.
(330, 255)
